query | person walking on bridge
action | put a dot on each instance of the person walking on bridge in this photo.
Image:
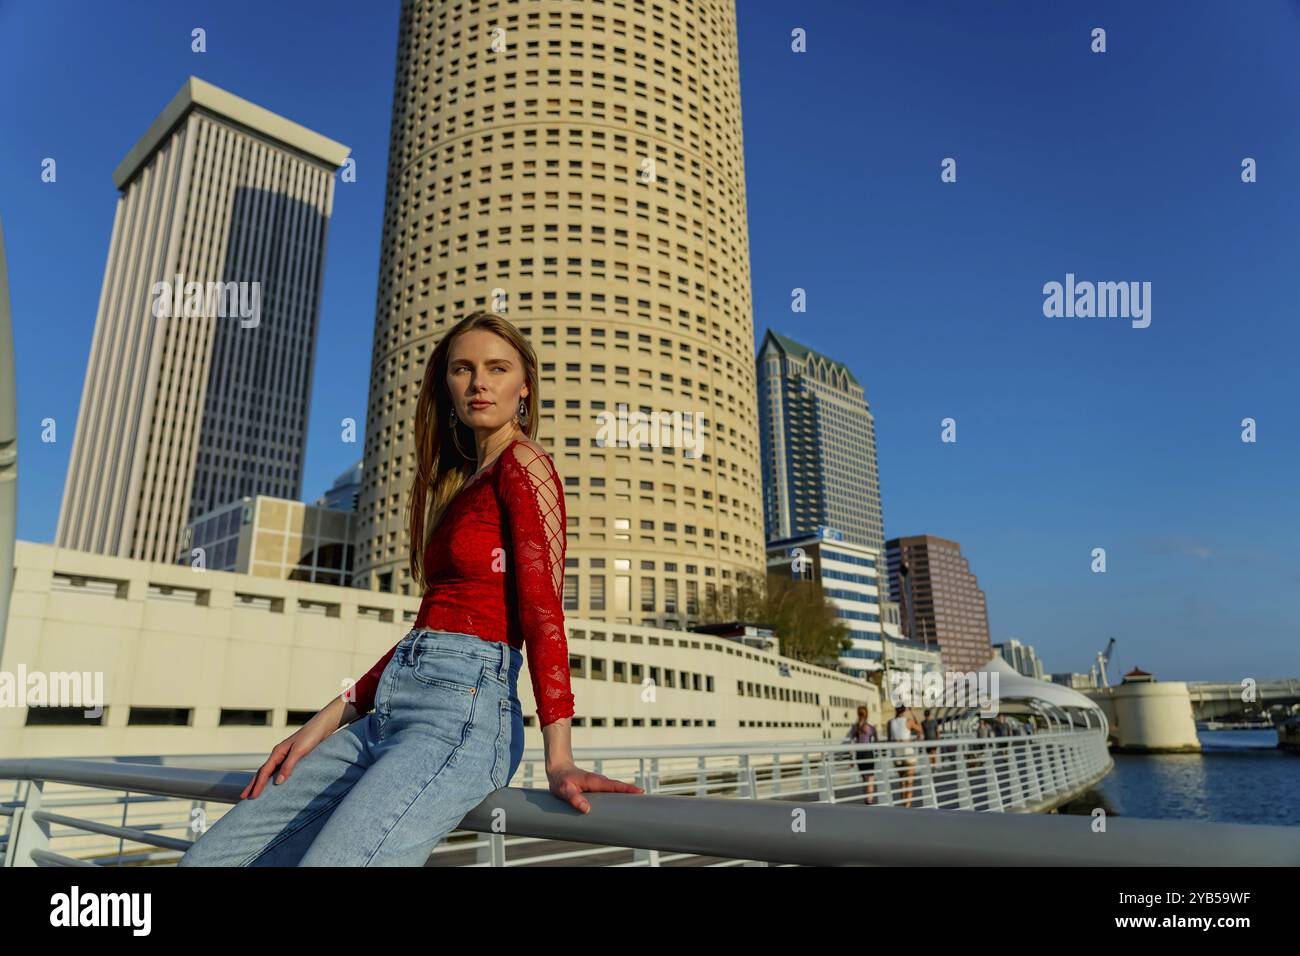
(903, 728)
(863, 732)
(931, 728)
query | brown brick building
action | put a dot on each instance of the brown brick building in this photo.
(940, 600)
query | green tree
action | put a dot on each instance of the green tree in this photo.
(797, 611)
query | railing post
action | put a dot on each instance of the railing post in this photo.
(828, 776)
(1033, 772)
(1017, 786)
(1087, 755)
(1081, 756)
(1075, 762)
(1060, 771)
(491, 849)
(886, 760)
(965, 800)
(648, 857)
(121, 841)
(931, 792)
(992, 785)
(1051, 778)
(26, 833)
(1047, 771)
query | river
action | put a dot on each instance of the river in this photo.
(1238, 777)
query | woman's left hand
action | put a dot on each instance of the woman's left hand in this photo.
(570, 782)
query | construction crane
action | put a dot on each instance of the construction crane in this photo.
(1103, 658)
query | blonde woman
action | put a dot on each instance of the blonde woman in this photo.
(360, 788)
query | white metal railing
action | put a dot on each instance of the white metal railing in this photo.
(1003, 774)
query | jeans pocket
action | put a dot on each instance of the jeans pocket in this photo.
(449, 689)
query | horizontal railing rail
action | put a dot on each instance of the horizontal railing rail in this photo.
(772, 831)
(1009, 774)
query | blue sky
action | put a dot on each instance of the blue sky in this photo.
(1072, 433)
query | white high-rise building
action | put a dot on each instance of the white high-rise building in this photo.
(200, 369)
(1021, 656)
(851, 577)
(819, 446)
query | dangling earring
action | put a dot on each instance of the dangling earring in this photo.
(521, 416)
(451, 424)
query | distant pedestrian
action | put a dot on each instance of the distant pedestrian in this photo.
(930, 726)
(902, 729)
(863, 732)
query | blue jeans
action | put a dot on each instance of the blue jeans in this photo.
(447, 730)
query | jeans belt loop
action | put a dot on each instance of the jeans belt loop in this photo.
(503, 670)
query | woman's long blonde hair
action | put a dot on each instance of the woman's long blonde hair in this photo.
(440, 468)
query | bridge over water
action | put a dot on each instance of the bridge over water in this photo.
(1216, 700)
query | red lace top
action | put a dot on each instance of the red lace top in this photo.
(495, 566)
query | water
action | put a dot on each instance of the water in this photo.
(1239, 777)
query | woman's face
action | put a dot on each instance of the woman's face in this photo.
(485, 377)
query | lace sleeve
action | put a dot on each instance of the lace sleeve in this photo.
(533, 500)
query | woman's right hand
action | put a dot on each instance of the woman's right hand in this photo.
(293, 748)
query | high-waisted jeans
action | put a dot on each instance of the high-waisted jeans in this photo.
(447, 730)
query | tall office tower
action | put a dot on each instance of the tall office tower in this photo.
(940, 599)
(577, 167)
(200, 368)
(819, 446)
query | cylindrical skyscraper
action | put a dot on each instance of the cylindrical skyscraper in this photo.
(578, 168)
